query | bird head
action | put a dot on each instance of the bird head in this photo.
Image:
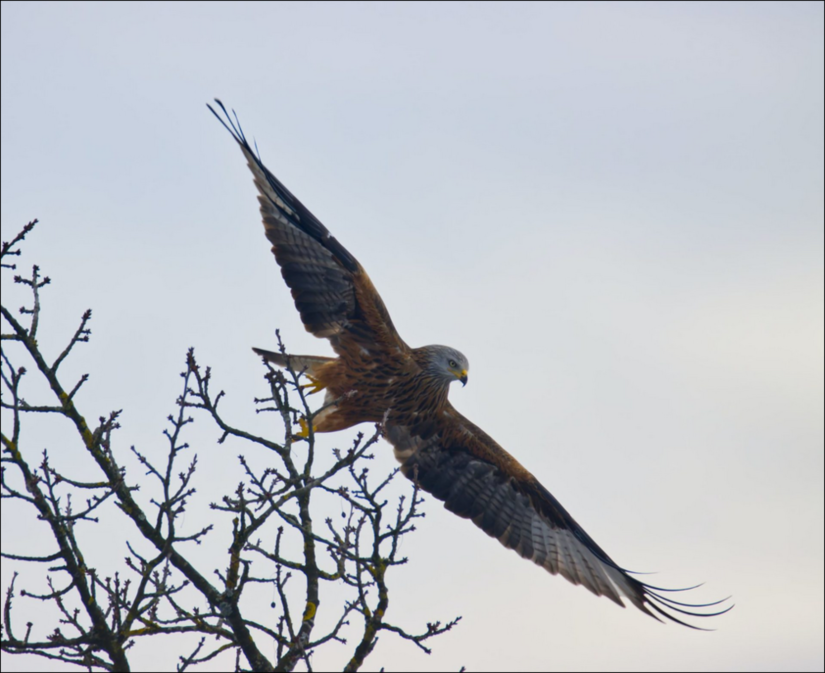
(448, 364)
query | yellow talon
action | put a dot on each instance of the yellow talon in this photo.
(314, 385)
(304, 431)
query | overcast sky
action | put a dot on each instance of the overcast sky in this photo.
(614, 210)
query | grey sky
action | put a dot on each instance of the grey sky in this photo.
(614, 210)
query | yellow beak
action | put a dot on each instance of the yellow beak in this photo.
(463, 377)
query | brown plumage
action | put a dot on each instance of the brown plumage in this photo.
(378, 378)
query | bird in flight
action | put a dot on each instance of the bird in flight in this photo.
(378, 378)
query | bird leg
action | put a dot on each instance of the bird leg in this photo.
(304, 431)
(314, 385)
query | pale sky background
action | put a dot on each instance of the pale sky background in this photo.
(614, 210)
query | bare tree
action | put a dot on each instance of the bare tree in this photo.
(162, 588)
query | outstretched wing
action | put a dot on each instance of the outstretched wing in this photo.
(460, 464)
(332, 292)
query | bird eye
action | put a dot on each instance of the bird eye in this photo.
(453, 364)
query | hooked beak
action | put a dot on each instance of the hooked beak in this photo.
(463, 377)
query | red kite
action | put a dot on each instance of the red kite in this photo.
(378, 378)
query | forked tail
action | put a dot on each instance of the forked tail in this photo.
(299, 363)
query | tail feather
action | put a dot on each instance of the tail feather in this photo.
(299, 363)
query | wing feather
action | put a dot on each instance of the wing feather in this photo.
(331, 290)
(477, 479)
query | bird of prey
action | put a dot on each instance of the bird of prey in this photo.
(378, 378)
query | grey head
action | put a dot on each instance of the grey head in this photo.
(446, 364)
